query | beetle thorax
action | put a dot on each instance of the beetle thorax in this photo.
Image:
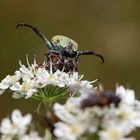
(64, 42)
(68, 52)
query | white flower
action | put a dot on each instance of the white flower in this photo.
(127, 95)
(27, 88)
(9, 80)
(28, 80)
(75, 121)
(114, 121)
(27, 73)
(16, 126)
(63, 112)
(68, 132)
(113, 133)
(31, 136)
(75, 82)
(45, 78)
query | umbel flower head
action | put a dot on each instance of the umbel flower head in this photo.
(101, 115)
(39, 80)
(17, 128)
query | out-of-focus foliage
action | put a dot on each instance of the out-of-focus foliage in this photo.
(111, 28)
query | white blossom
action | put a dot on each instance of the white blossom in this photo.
(9, 80)
(113, 133)
(31, 136)
(68, 132)
(127, 95)
(27, 88)
(109, 122)
(29, 79)
(16, 126)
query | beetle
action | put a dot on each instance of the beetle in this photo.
(101, 99)
(62, 45)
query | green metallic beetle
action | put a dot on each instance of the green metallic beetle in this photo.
(62, 45)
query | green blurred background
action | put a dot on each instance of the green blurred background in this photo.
(110, 27)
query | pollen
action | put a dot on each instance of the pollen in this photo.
(115, 134)
(51, 77)
(124, 116)
(75, 128)
(26, 86)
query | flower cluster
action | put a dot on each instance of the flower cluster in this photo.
(27, 81)
(74, 108)
(100, 115)
(17, 127)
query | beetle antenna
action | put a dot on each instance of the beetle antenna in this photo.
(40, 34)
(90, 53)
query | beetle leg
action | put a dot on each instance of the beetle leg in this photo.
(91, 53)
(77, 56)
(47, 42)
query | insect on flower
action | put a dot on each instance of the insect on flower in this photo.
(61, 63)
(101, 99)
(63, 48)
